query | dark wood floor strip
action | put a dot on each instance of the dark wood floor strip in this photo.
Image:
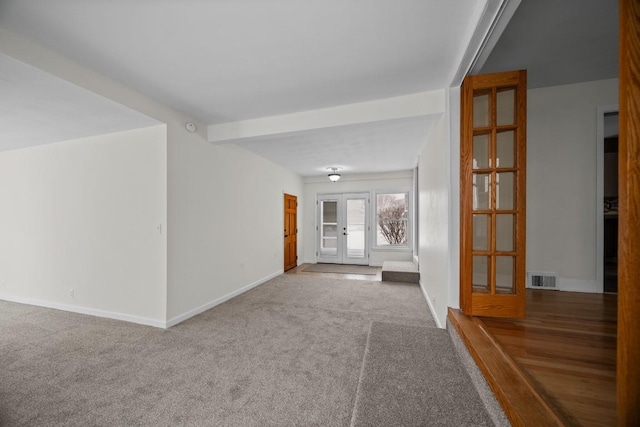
(566, 346)
(523, 405)
(564, 352)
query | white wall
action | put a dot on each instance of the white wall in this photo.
(561, 180)
(360, 183)
(84, 215)
(226, 213)
(224, 204)
(433, 199)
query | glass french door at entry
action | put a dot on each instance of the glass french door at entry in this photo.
(343, 224)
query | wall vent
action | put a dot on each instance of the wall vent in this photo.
(542, 280)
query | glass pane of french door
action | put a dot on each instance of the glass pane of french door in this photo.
(355, 228)
(329, 228)
(494, 175)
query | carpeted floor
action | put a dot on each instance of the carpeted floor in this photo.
(412, 377)
(286, 353)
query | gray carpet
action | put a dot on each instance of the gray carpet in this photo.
(342, 268)
(286, 353)
(411, 376)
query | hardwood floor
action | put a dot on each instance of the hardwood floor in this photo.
(566, 349)
(555, 367)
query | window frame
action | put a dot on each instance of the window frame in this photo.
(408, 246)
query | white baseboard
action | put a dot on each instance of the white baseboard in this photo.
(86, 310)
(579, 285)
(432, 309)
(576, 285)
(137, 319)
(182, 317)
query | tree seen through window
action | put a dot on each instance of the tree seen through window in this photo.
(392, 217)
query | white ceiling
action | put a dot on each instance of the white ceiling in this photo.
(383, 146)
(37, 108)
(559, 42)
(222, 61)
(225, 61)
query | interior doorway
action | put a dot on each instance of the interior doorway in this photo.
(290, 231)
(610, 203)
(343, 224)
(607, 200)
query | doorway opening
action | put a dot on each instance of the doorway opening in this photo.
(343, 224)
(610, 203)
(290, 231)
(607, 199)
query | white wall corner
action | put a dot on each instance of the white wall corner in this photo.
(440, 324)
(453, 106)
(201, 309)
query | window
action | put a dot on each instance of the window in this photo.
(392, 219)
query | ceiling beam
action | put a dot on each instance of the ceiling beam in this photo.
(419, 104)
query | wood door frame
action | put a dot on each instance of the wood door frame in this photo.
(628, 352)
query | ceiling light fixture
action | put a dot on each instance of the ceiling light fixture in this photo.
(334, 175)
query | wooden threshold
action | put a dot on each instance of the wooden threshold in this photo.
(521, 402)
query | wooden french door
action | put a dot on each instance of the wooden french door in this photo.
(492, 211)
(290, 232)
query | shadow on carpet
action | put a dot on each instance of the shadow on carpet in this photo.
(411, 376)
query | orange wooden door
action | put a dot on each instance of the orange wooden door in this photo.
(492, 179)
(628, 360)
(290, 232)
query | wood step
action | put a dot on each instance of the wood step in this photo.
(519, 398)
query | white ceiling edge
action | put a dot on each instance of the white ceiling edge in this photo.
(500, 22)
(418, 104)
(38, 108)
(43, 58)
(491, 22)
